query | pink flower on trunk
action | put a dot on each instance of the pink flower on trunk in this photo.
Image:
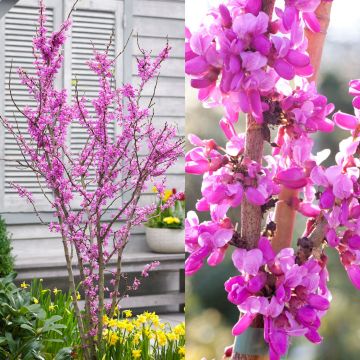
(206, 240)
(292, 298)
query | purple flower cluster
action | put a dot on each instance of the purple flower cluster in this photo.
(291, 298)
(243, 60)
(238, 55)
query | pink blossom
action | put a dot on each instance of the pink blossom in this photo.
(292, 308)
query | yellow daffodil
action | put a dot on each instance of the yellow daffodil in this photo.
(136, 338)
(129, 327)
(179, 329)
(171, 220)
(52, 307)
(113, 338)
(167, 194)
(136, 354)
(35, 300)
(127, 313)
(56, 291)
(78, 296)
(181, 350)
(161, 338)
(112, 323)
(142, 318)
(154, 189)
(105, 320)
(24, 285)
(172, 336)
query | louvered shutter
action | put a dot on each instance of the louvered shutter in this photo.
(93, 24)
(18, 29)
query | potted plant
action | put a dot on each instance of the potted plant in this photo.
(165, 227)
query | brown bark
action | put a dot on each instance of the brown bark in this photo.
(251, 215)
(285, 214)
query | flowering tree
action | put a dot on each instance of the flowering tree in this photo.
(250, 58)
(107, 177)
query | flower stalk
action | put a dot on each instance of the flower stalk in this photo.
(285, 213)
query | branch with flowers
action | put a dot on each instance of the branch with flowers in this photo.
(249, 57)
(107, 177)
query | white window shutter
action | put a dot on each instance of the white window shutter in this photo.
(93, 24)
(19, 27)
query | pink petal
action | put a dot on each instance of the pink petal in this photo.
(327, 199)
(278, 342)
(222, 237)
(196, 168)
(217, 256)
(252, 61)
(353, 272)
(297, 58)
(244, 322)
(265, 246)
(252, 261)
(345, 121)
(253, 6)
(343, 187)
(306, 316)
(225, 15)
(354, 87)
(356, 102)
(196, 66)
(256, 107)
(243, 101)
(309, 210)
(262, 44)
(293, 178)
(313, 336)
(202, 205)
(284, 69)
(318, 302)
(255, 197)
(354, 242)
(201, 84)
(257, 283)
(318, 176)
(332, 238)
(325, 125)
(289, 17)
(227, 127)
(311, 21)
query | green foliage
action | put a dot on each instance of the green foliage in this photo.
(23, 323)
(143, 337)
(6, 259)
(39, 323)
(57, 305)
(170, 218)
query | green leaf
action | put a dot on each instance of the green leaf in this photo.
(64, 354)
(28, 327)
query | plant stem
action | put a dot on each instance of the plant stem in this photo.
(285, 213)
(251, 215)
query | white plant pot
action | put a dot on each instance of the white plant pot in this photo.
(167, 241)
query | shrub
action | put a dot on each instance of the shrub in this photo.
(6, 259)
(40, 323)
(23, 322)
